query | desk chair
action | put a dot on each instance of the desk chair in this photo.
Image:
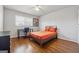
(26, 31)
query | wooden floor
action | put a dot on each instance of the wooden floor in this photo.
(55, 46)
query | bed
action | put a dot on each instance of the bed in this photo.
(42, 37)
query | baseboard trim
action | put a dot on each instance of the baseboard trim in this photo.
(69, 40)
(16, 37)
(13, 38)
(58, 38)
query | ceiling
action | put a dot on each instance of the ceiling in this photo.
(30, 9)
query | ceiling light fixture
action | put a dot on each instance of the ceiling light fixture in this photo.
(37, 8)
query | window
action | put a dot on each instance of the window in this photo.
(19, 20)
(23, 21)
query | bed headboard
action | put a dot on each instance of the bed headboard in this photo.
(47, 28)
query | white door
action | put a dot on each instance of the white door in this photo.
(78, 33)
(78, 26)
(1, 18)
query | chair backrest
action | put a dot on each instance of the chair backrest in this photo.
(26, 29)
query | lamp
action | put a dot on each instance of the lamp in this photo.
(37, 8)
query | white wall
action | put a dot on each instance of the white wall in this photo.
(78, 25)
(1, 18)
(9, 20)
(65, 20)
(78, 33)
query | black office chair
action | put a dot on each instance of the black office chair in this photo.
(26, 31)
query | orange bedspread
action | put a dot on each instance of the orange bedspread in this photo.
(42, 34)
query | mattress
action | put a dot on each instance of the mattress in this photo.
(42, 35)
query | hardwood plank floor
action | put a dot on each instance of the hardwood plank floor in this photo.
(55, 46)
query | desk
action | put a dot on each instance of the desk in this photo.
(34, 29)
(19, 32)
